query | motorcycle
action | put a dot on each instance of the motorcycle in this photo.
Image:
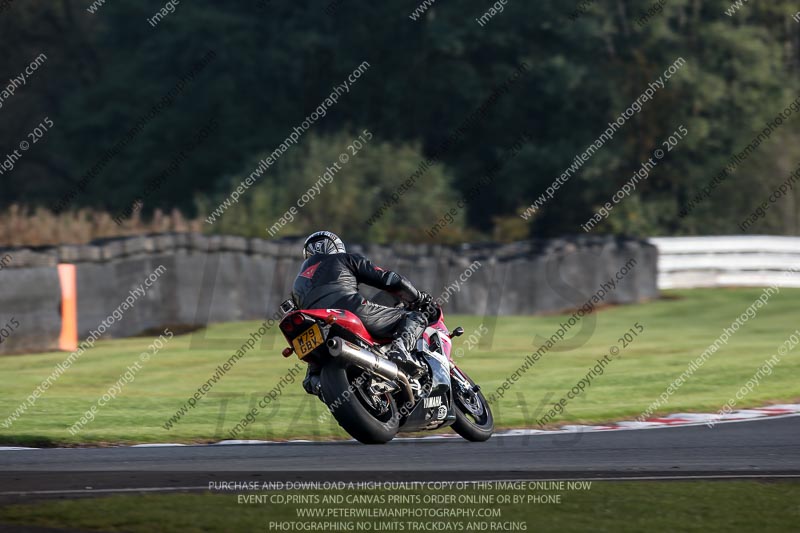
(372, 398)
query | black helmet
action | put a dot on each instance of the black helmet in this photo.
(322, 242)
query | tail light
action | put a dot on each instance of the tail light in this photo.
(288, 324)
(287, 352)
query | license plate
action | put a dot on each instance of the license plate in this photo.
(307, 341)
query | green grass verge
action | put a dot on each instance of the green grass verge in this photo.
(676, 330)
(605, 506)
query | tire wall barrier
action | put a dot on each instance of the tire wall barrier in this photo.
(207, 279)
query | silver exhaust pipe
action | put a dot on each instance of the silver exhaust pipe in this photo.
(369, 361)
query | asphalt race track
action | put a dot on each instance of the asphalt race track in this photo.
(762, 448)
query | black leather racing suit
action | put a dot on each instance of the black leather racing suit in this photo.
(330, 281)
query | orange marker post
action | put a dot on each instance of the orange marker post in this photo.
(68, 341)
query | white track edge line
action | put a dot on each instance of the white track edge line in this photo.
(527, 432)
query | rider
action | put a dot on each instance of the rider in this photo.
(329, 279)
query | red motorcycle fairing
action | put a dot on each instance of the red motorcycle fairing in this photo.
(446, 342)
(347, 320)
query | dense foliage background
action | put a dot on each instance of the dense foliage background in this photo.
(276, 60)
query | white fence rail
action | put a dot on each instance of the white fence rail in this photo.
(729, 261)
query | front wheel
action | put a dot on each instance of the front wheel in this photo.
(474, 420)
(367, 417)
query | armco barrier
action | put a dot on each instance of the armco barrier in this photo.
(728, 261)
(225, 278)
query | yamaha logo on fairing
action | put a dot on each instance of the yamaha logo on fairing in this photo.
(432, 401)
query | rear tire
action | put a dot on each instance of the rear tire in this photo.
(352, 412)
(474, 423)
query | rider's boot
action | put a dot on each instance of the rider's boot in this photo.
(312, 383)
(404, 342)
(407, 362)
